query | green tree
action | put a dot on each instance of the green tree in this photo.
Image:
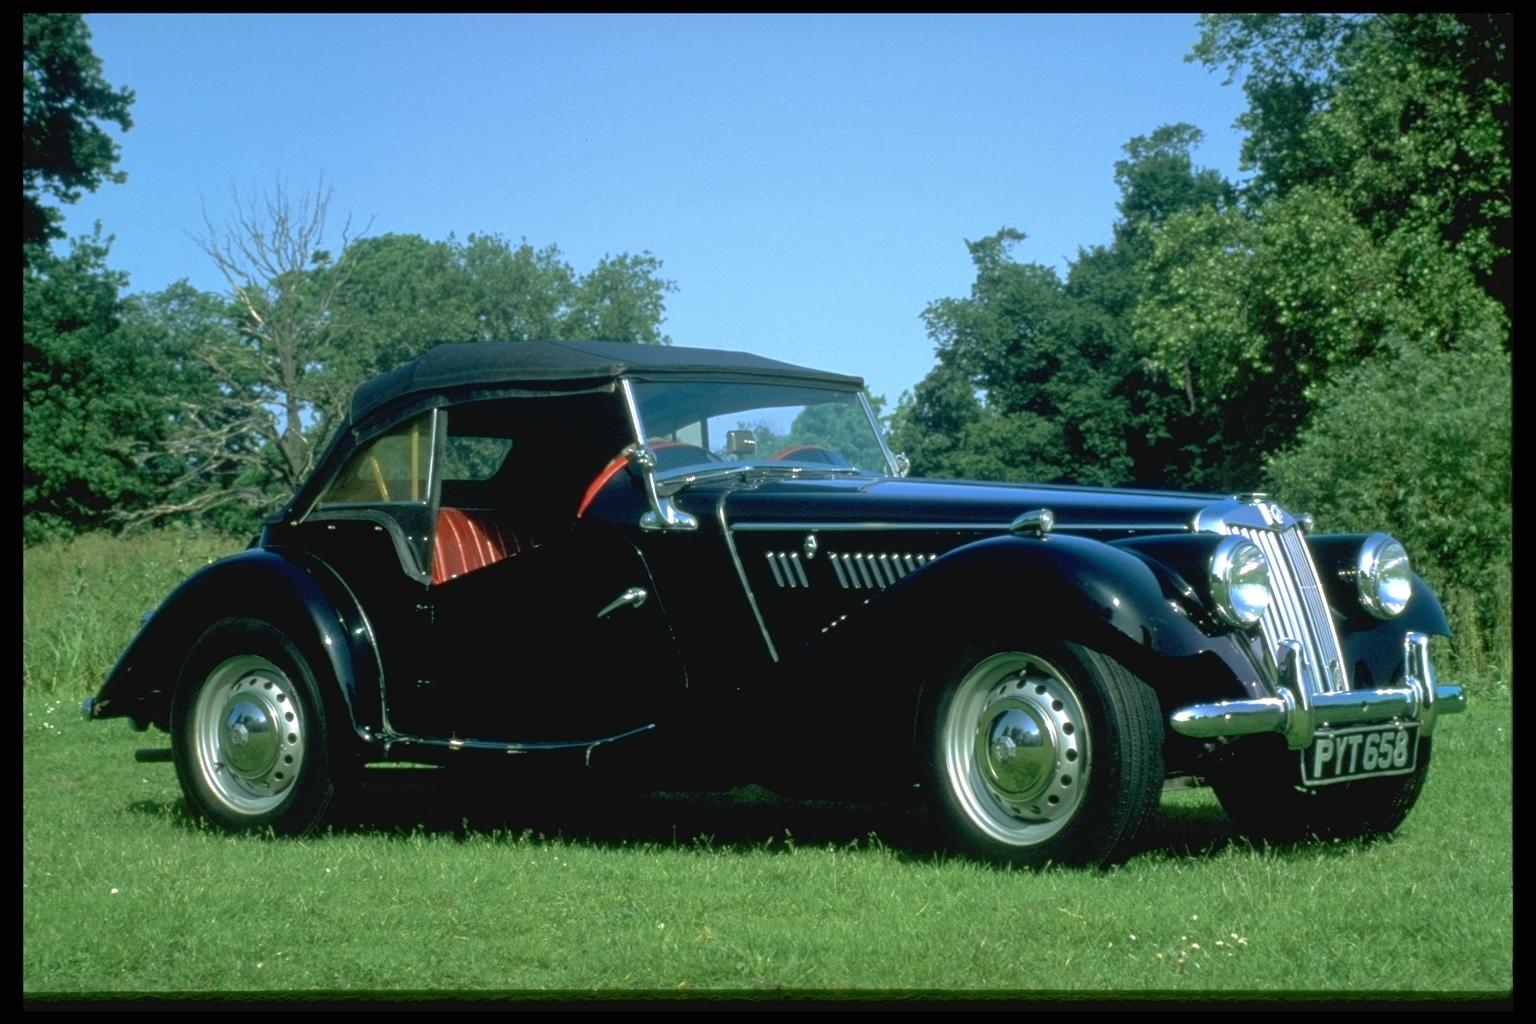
(623, 298)
(202, 455)
(1406, 117)
(302, 326)
(1040, 379)
(64, 100)
(1421, 442)
(88, 391)
(403, 295)
(1349, 323)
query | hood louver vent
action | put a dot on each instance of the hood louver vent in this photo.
(871, 572)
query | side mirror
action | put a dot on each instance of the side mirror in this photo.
(903, 464)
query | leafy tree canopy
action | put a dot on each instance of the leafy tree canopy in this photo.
(64, 102)
(87, 393)
(1043, 379)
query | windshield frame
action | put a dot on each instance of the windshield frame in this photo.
(701, 471)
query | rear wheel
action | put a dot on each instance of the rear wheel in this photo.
(1044, 753)
(249, 733)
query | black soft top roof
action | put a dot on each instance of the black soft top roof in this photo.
(549, 364)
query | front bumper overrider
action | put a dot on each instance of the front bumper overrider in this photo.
(1300, 707)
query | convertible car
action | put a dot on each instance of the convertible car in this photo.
(665, 567)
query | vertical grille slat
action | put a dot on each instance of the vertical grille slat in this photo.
(1299, 611)
(789, 571)
(863, 570)
(837, 569)
(868, 570)
(773, 563)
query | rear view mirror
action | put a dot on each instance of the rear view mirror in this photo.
(741, 443)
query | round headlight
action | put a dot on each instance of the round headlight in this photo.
(1240, 582)
(1386, 579)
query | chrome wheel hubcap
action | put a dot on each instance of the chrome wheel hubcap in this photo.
(1016, 748)
(248, 731)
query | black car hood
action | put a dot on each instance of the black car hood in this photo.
(848, 501)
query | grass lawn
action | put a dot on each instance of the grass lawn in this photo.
(450, 888)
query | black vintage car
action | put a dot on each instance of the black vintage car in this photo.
(697, 569)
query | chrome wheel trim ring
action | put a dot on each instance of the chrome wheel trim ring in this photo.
(1016, 748)
(248, 735)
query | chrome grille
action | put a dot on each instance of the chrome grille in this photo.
(874, 571)
(1299, 611)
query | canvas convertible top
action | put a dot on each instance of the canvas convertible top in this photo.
(547, 364)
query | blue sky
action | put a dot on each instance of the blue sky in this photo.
(808, 182)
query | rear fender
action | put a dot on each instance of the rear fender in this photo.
(295, 592)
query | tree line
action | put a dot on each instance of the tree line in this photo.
(1335, 326)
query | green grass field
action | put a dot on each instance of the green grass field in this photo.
(437, 885)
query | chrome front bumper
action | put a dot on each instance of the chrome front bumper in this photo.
(1300, 707)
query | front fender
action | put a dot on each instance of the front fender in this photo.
(1070, 587)
(294, 591)
(864, 681)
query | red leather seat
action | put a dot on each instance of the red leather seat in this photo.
(469, 539)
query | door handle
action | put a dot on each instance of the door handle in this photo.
(634, 597)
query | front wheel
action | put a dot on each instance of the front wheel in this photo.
(248, 731)
(1259, 789)
(1045, 753)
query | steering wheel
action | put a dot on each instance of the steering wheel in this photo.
(811, 453)
(675, 454)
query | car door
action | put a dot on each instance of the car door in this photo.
(541, 627)
(563, 641)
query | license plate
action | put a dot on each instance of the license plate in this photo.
(1363, 752)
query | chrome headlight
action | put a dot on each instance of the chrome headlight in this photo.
(1386, 578)
(1240, 586)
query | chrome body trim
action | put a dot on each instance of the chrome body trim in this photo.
(741, 573)
(1311, 688)
(860, 527)
(868, 571)
(1249, 511)
(864, 527)
(457, 744)
(1297, 713)
(634, 597)
(786, 568)
(874, 425)
(1038, 521)
(1298, 609)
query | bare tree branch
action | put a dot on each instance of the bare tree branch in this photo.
(271, 253)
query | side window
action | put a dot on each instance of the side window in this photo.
(393, 468)
(474, 458)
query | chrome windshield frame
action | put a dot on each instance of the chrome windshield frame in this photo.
(874, 424)
(682, 476)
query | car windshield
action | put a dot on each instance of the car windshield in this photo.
(695, 425)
